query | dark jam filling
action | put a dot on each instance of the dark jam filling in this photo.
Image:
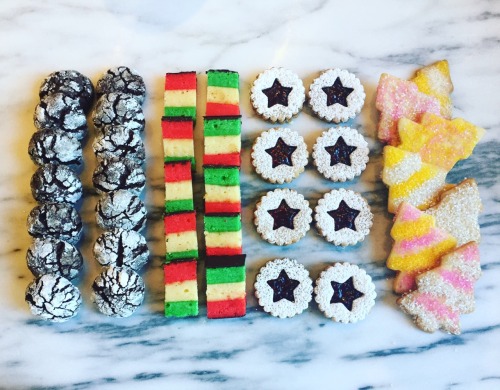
(340, 153)
(277, 94)
(283, 216)
(283, 287)
(337, 93)
(345, 293)
(344, 216)
(281, 153)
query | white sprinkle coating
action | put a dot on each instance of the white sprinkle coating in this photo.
(278, 112)
(403, 170)
(302, 293)
(340, 172)
(336, 112)
(283, 235)
(326, 224)
(263, 162)
(340, 272)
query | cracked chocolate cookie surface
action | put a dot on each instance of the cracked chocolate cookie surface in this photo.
(113, 175)
(122, 79)
(53, 183)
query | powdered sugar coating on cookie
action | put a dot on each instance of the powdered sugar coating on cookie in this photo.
(283, 216)
(279, 155)
(340, 153)
(345, 293)
(283, 288)
(336, 95)
(343, 217)
(278, 95)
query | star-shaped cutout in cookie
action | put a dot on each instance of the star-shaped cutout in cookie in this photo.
(337, 93)
(283, 216)
(281, 153)
(283, 287)
(344, 216)
(345, 293)
(340, 153)
(277, 94)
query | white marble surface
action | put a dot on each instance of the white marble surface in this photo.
(257, 351)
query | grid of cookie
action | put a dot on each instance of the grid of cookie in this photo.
(225, 263)
(181, 243)
(55, 224)
(118, 290)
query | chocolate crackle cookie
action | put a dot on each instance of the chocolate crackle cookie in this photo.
(53, 183)
(58, 220)
(278, 95)
(118, 109)
(345, 293)
(336, 95)
(124, 80)
(124, 174)
(282, 216)
(120, 209)
(340, 153)
(279, 155)
(343, 217)
(117, 142)
(283, 288)
(54, 147)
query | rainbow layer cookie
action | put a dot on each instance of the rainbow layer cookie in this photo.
(180, 236)
(181, 289)
(226, 296)
(178, 187)
(178, 139)
(223, 235)
(222, 141)
(180, 95)
(222, 190)
(223, 96)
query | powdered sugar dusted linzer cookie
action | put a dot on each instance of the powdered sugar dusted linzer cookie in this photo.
(120, 209)
(336, 96)
(279, 155)
(345, 293)
(283, 216)
(340, 153)
(283, 288)
(278, 95)
(117, 109)
(343, 217)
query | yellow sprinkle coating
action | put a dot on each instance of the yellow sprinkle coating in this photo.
(399, 165)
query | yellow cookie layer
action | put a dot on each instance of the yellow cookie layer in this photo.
(410, 229)
(223, 144)
(215, 193)
(178, 190)
(178, 147)
(223, 239)
(223, 95)
(181, 291)
(225, 291)
(180, 242)
(180, 98)
(427, 172)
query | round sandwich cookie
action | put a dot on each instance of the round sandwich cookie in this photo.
(53, 183)
(54, 147)
(279, 155)
(120, 209)
(70, 83)
(283, 288)
(53, 298)
(118, 142)
(343, 217)
(340, 153)
(117, 291)
(57, 220)
(278, 95)
(53, 256)
(61, 112)
(336, 95)
(121, 248)
(345, 293)
(283, 216)
(118, 109)
(112, 175)
(124, 80)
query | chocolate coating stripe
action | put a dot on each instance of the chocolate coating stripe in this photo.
(225, 261)
(177, 118)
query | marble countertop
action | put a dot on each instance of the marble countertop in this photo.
(258, 351)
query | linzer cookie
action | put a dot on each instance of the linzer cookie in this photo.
(279, 155)
(340, 153)
(222, 190)
(283, 217)
(345, 293)
(343, 217)
(179, 98)
(222, 141)
(223, 96)
(283, 288)
(226, 296)
(278, 95)
(181, 289)
(178, 139)
(180, 236)
(336, 95)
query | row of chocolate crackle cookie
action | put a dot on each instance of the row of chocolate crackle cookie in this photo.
(60, 118)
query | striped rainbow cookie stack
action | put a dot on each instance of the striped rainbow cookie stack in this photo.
(181, 291)
(225, 263)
